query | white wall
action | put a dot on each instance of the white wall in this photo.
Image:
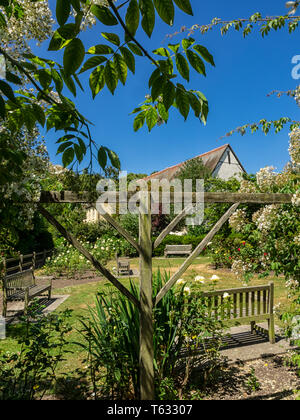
(228, 167)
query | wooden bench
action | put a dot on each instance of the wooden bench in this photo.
(248, 304)
(123, 266)
(178, 250)
(22, 286)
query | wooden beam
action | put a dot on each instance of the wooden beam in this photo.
(146, 357)
(73, 241)
(195, 253)
(170, 227)
(121, 230)
(209, 197)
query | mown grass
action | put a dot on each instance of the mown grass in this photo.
(82, 297)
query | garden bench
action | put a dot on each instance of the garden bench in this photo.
(247, 304)
(123, 266)
(178, 250)
(22, 286)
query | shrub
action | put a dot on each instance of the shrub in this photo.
(26, 375)
(177, 240)
(67, 260)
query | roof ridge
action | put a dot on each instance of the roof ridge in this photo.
(180, 164)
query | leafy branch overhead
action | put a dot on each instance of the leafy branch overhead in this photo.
(109, 63)
(245, 25)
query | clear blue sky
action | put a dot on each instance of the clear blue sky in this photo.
(246, 71)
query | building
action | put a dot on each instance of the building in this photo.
(222, 163)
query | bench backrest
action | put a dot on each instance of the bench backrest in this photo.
(241, 303)
(178, 248)
(18, 281)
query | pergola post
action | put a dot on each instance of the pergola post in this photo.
(146, 357)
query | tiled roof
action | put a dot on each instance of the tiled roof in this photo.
(210, 160)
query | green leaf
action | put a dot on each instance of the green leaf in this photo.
(44, 77)
(78, 152)
(204, 54)
(154, 76)
(82, 145)
(69, 82)
(100, 49)
(182, 66)
(135, 49)
(151, 118)
(2, 21)
(166, 66)
(111, 76)
(132, 18)
(92, 62)
(157, 87)
(113, 38)
(114, 159)
(195, 104)
(7, 91)
(63, 10)
(57, 80)
(182, 101)
(148, 16)
(104, 15)
(29, 117)
(169, 92)
(97, 80)
(162, 51)
(121, 68)
(68, 157)
(139, 121)
(187, 43)
(2, 108)
(73, 56)
(196, 62)
(68, 31)
(174, 47)
(56, 42)
(39, 113)
(162, 112)
(185, 5)
(76, 5)
(102, 157)
(63, 147)
(78, 81)
(12, 78)
(165, 9)
(129, 58)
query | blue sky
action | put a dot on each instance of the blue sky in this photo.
(246, 71)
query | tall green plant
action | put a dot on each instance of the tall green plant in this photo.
(181, 328)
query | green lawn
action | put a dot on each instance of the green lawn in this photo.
(83, 296)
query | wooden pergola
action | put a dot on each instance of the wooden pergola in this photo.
(144, 247)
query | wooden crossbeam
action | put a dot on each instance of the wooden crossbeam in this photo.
(209, 197)
(171, 226)
(195, 253)
(121, 230)
(73, 241)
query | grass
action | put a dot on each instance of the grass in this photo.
(83, 296)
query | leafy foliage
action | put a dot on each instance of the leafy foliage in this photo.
(110, 64)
